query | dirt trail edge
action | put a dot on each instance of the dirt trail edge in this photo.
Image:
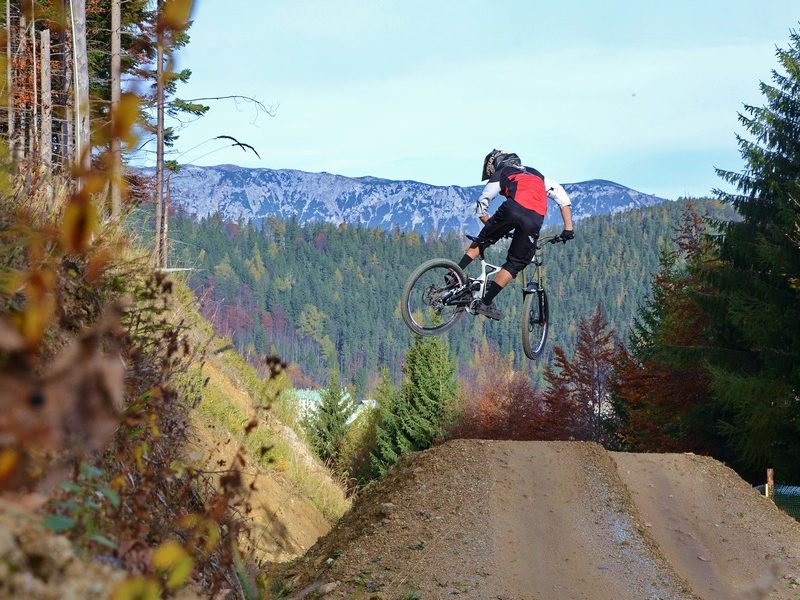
(554, 520)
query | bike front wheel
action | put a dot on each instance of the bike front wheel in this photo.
(535, 323)
(434, 297)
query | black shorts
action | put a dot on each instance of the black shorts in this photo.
(526, 225)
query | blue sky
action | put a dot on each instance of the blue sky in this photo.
(642, 93)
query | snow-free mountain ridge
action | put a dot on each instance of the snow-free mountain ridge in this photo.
(254, 194)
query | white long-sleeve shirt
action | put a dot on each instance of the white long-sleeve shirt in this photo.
(554, 191)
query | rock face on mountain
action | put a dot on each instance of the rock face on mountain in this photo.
(236, 192)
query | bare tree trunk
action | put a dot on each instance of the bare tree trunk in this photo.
(9, 75)
(67, 140)
(35, 78)
(116, 68)
(165, 233)
(23, 129)
(81, 73)
(46, 142)
(159, 141)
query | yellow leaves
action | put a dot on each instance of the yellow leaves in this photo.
(212, 534)
(137, 588)
(9, 458)
(171, 558)
(118, 483)
(125, 117)
(138, 455)
(207, 529)
(37, 285)
(121, 126)
(175, 14)
(189, 521)
(153, 420)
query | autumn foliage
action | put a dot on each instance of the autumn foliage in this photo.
(660, 385)
(501, 403)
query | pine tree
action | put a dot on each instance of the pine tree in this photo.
(385, 453)
(327, 426)
(428, 394)
(419, 415)
(754, 310)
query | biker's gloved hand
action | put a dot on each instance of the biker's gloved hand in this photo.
(567, 234)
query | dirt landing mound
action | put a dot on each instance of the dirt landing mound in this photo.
(541, 520)
(716, 531)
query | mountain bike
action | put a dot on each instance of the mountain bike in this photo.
(439, 292)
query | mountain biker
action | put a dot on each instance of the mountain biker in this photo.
(526, 191)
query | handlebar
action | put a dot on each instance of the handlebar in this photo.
(551, 239)
(540, 242)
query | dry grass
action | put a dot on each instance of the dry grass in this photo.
(229, 399)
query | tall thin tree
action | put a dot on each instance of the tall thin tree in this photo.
(116, 69)
(159, 192)
(9, 73)
(81, 75)
(46, 141)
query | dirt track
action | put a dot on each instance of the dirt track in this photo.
(556, 520)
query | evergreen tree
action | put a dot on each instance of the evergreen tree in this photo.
(754, 310)
(327, 426)
(419, 415)
(385, 452)
(428, 394)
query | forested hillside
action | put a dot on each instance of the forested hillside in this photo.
(309, 293)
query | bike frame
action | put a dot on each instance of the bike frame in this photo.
(488, 269)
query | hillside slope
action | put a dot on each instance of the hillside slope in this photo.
(293, 499)
(556, 520)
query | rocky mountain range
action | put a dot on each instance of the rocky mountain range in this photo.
(241, 193)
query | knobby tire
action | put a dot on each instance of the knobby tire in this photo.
(409, 288)
(534, 335)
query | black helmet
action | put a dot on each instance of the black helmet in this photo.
(495, 159)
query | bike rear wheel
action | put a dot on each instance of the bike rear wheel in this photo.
(434, 297)
(535, 323)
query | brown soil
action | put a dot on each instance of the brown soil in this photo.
(554, 520)
(283, 524)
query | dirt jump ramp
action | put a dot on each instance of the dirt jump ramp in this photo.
(554, 520)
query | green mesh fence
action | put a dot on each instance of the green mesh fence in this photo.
(787, 497)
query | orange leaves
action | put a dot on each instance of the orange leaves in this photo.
(79, 225)
(9, 459)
